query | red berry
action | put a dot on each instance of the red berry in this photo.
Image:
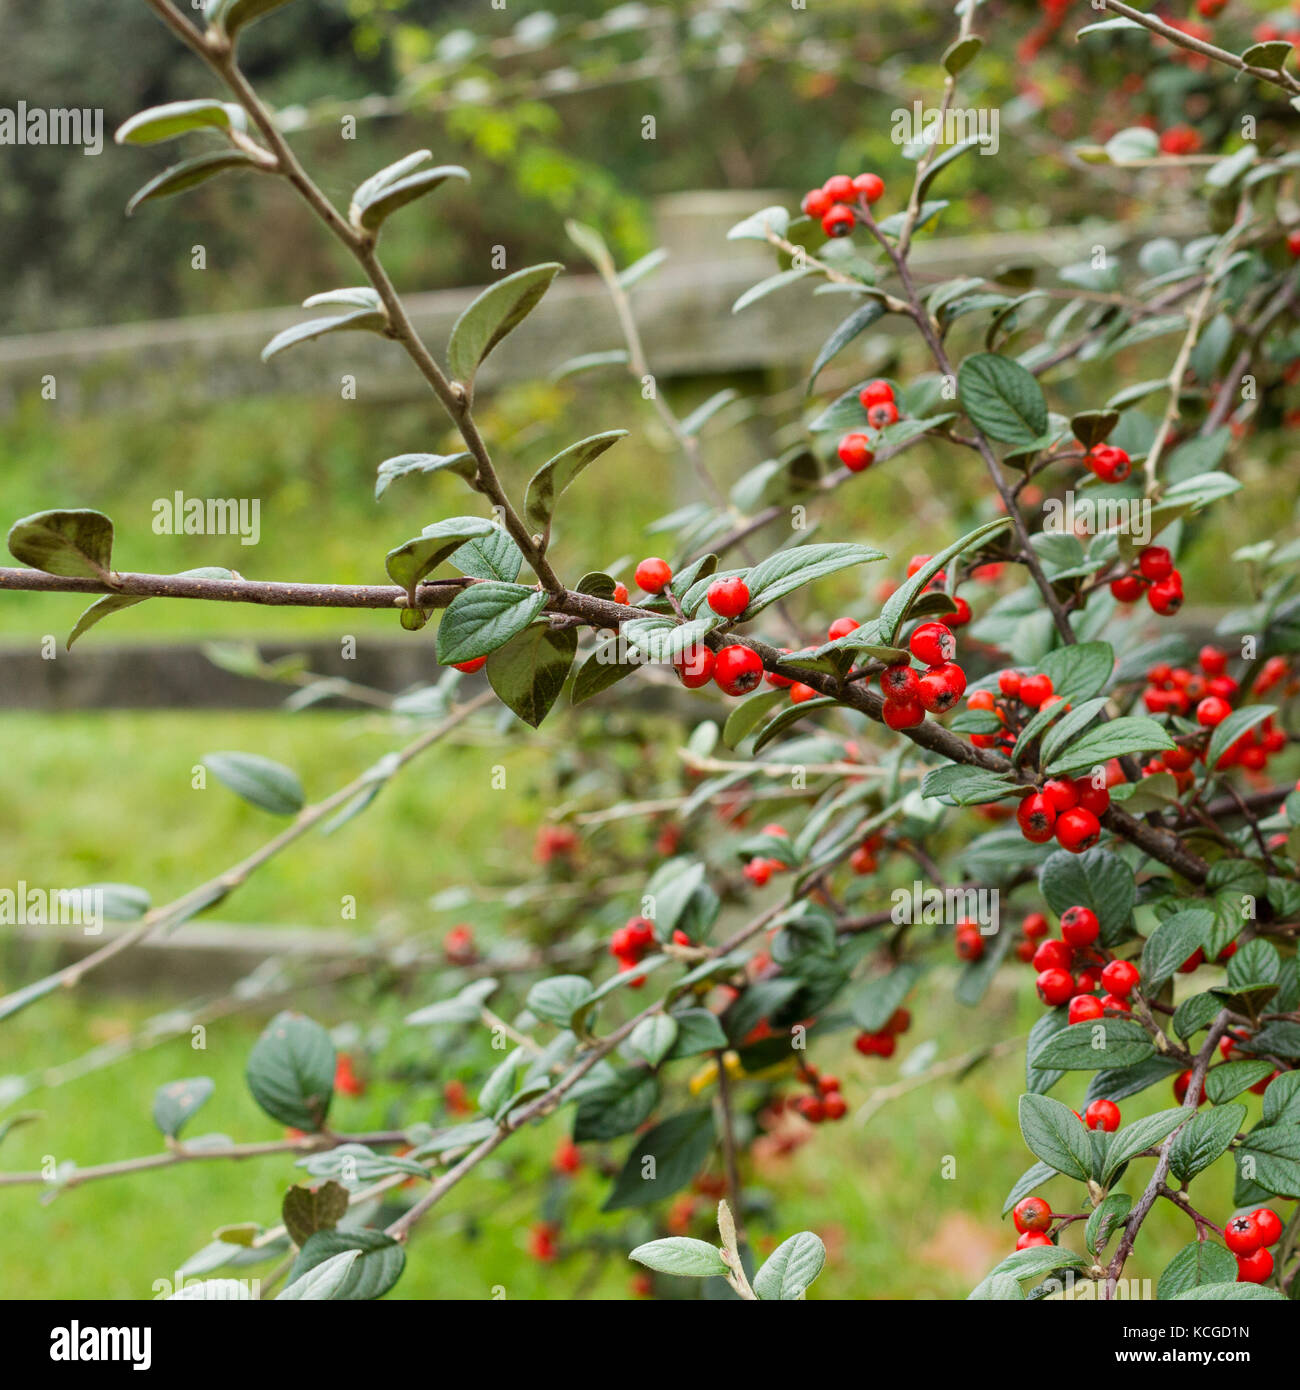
(1120, 978)
(941, 687)
(876, 393)
(906, 713)
(969, 943)
(855, 453)
(841, 627)
(835, 1106)
(1079, 926)
(899, 1021)
(869, 186)
(1166, 597)
(1030, 1239)
(1034, 690)
(1213, 661)
(899, 682)
(882, 415)
(1036, 817)
(799, 692)
(1212, 710)
(1053, 955)
(728, 597)
(812, 1108)
(827, 1084)
(1113, 1001)
(1084, 1008)
(839, 187)
(695, 666)
(1094, 799)
(816, 203)
(1242, 1235)
(933, 644)
(1060, 791)
(653, 575)
(1293, 244)
(1031, 1214)
(737, 669)
(1009, 684)
(1034, 926)
(1156, 563)
(838, 221)
(980, 699)
(1077, 830)
(1127, 588)
(620, 593)
(1254, 1269)
(1269, 1225)
(1193, 962)
(1054, 986)
(474, 664)
(1102, 1114)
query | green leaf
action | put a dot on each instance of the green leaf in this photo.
(173, 119)
(1271, 54)
(529, 672)
(1068, 727)
(790, 1268)
(1234, 1292)
(305, 1210)
(378, 1266)
(1172, 943)
(1273, 1152)
(1232, 728)
(1128, 734)
(491, 556)
(1103, 1042)
(1024, 1264)
(680, 1255)
(599, 671)
(484, 617)
(1002, 399)
(967, 786)
(557, 473)
(175, 1102)
(408, 563)
(617, 1107)
(1054, 1133)
(788, 716)
(1105, 1219)
(317, 1285)
(268, 785)
(961, 53)
(463, 465)
(1282, 1100)
(1195, 1013)
(757, 225)
(900, 602)
(1079, 671)
(746, 716)
(1200, 1264)
(653, 1038)
(371, 320)
(1096, 879)
(663, 1160)
(790, 569)
(114, 603)
(698, 1030)
(1145, 1133)
(290, 1071)
(556, 999)
(179, 178)
(392, 188)
(1204, 1139)
(231, 15)
(857, 323)
(498, 310)
(1232, 1078)
(76, 543)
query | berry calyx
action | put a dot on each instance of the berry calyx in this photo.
(899, 682)
(737, 669)
(653, 575)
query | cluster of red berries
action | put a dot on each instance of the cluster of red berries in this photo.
(1032, 930)
(1068, 809)
(1154, 576)
(760, 869)
(854, 449)
(824, 1101)
(883, 1043)
(1248, 1237)
(863, 859)
(1033, 1219)
(1177, 690)
(630, 943)
(834, 203)
(1110, 464)
(908, 695)
(1071, 968)
(1019, 697)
